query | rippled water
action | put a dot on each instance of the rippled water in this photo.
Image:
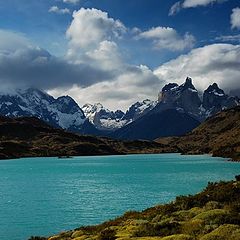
(43, 196)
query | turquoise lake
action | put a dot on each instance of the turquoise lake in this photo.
(44, 196)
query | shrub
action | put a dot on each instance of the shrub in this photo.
(193, 227)
(227, 231)
(159, 229)
(107, 234)
(216, 216)
(178, 237)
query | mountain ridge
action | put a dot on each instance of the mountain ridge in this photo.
(144, 119)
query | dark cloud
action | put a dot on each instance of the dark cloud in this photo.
(36, 67)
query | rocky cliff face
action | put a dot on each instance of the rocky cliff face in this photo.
(186, 98)
(215, 100)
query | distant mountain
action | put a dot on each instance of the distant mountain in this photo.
(138, 110)
(179, 110)
(105, 120)
(102, 118)
(31, 137)
(155, 124)
(215, 100)
(219, 135)
(62, 112)
(186, 98)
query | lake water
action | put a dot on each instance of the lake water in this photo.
(43, 196)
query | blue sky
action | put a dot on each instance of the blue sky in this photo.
(143, 46)
(48, 29)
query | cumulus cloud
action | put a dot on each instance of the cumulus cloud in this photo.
(235, 18)
(213, 63)
(168, 38)
(56, 9)
(89, 27)
(191, 4)
(97, 46)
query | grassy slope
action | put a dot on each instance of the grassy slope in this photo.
(219, 135)
(210, 215)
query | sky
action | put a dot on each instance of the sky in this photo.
(118, 52)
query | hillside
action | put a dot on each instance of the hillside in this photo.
(219, 135)
(31, 137)
(210, 215)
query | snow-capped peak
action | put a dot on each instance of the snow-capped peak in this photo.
(138, 109)
(61, 112)
(103, 118)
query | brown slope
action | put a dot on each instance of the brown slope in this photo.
(219, 135)
(31, 137)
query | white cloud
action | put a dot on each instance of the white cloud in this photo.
(93, 37)
(235, 18)
(229, 38)
(10, 41)
(176, 7)
(71, 1)
(168, 38)
(197, 3)
(106, 56)
(191, 4)
(137, 83)
(56, 9)
(213, 63)
(89, 27)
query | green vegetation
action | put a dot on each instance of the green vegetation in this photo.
(213, 214)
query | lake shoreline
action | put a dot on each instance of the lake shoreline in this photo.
(185, 219)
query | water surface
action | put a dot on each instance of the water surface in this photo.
(43, 196)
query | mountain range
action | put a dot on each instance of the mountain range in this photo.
(31, 137)
(178, 110)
